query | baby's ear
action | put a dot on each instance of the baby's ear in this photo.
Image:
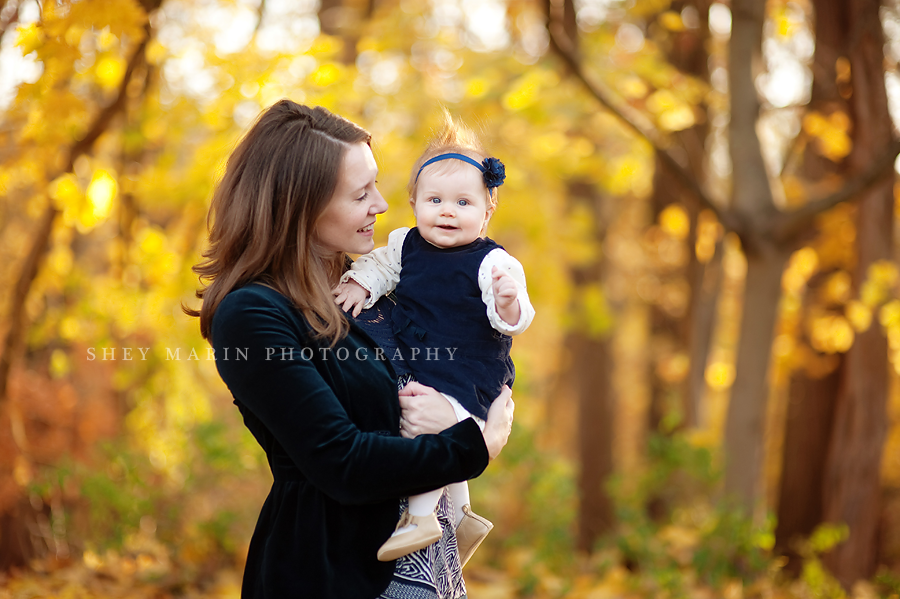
(487, 218)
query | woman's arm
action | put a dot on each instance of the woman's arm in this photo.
(299, 409)
(424, 410)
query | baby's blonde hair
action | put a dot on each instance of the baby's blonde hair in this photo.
(452, 137)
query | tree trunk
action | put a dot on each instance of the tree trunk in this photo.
(752, 201)
(852, 490)
(811, 400)
(590, 378)
(809, 419)
(686, 51)
(705, 288)
(746, 418)
(591, 372)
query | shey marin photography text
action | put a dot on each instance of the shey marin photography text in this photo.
(127, 354)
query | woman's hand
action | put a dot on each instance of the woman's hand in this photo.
(499, 422)
(424, 410)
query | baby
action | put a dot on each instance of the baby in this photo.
(460, 299)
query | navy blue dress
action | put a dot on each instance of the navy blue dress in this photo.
(441, 325)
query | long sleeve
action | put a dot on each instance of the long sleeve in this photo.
(300, 414)
(378, 272)
(504, 261)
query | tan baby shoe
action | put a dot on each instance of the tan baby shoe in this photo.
(471, 531)
(427, 531)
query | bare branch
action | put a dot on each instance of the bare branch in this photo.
(563, 48)
(788, 226)
(41, 240)
(101, 123)
(261, 12)
(4, 27)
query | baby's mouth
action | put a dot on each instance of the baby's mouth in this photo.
(446, 227)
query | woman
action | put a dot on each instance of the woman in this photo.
(298, 195)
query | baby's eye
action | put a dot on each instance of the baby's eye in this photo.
(463, 202)
(434, 200)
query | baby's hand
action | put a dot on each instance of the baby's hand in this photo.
(350, 295)
(506, 296)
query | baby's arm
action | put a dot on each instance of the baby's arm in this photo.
(372, 276)
(502, 282)
(506, 295)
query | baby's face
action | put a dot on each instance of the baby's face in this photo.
(451, 204)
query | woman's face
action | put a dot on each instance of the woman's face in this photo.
(348, 222)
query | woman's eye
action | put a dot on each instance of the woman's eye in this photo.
(364, 196)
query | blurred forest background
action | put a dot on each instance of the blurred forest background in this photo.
(702, 194)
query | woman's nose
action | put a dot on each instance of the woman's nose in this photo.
(379, 205)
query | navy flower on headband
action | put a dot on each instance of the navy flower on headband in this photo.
(494, 172)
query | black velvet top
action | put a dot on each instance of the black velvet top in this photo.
(328, 420)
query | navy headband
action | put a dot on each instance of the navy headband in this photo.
(492, 170)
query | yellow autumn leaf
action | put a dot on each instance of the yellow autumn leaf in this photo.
(677, 119)
(814, 123)
(632, 86)
(325, 75)
(60, 364)
(624, 174)
(661, 101)
(156, 52)
(889, 314)
(872, 293)
(326, 44)
(831, 334)
(549, 145)
(527, 89)
(784, 25)
(835, 144)
(859, 315)
(719, 375)
(65, 191)
(60, 260)
(674, 220)
(477, 87)
(109, 71)
(838, 287)
(30, 38)
(106, 40)
(830, 133)
(672, 21)
(884, 272)
(802, 265)
(100, 194)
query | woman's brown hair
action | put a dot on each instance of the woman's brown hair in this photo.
(263, 215)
